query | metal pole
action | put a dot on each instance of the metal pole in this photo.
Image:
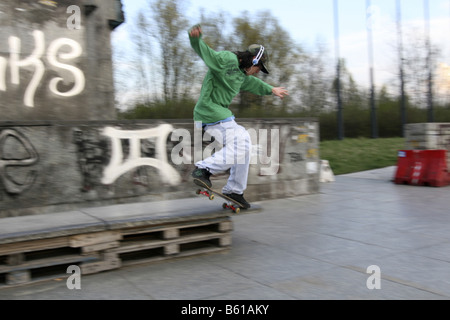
(338, 73)
(373, 111)
(429, 62)
(401, 66)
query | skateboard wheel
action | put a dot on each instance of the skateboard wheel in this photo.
(198, 191)
(224, 206)
(211, 197)
(237, 210)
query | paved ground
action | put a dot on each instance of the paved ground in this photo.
(311, 247)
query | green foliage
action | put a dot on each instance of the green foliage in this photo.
(160, 110)
(360, 154)
(357, 119)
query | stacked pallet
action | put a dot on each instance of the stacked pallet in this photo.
(36, 260)
(38, 248)
(149, 243)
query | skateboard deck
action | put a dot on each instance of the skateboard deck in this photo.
(230, 204)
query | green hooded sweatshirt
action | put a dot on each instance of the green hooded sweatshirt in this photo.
(222, 83)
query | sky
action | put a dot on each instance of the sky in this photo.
(309, 21)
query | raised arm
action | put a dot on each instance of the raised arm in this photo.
(211, 58)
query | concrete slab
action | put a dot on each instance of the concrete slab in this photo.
(149, 213)
(47, 226)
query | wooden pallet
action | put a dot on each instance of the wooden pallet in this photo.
(26, 262)
(31, 261)
(149, 244)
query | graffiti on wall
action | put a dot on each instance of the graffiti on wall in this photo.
(92, 157)
(120, 164)
(300, 148)
(107, 154)
(58, 54)
(16, 152)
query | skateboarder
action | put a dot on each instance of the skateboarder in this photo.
(228, 74)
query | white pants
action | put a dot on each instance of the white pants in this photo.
(234, 155)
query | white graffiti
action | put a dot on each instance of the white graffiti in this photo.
(35, 60)
(12, 186)
(119, 166)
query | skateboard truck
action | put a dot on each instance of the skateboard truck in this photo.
(205, 193)
(210, 195)
(232, 207)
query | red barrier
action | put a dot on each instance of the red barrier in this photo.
(437, 171)
(422, 167)
(410, 167)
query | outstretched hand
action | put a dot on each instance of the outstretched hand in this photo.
(280, 92)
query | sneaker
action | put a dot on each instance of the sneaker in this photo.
(201, 177)
(239, 198)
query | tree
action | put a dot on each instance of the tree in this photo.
(284, 55)
(169, 29)
(416, 69)
(214, 26)
(313, 81)
(143, 58)
(351, 93)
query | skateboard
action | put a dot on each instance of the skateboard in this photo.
(230, 204)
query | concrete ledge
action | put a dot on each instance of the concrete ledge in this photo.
(45, 226)
(156, 213)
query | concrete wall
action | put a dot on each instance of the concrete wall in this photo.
(54, 166)
(55, 59)
(61, 147)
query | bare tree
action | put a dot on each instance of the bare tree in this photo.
(168, 28)
(143, 57)
(416, 72)
(313, 81)
(283, 54)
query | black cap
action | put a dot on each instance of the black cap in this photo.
(261, 56)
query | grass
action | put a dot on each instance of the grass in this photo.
(354, 155)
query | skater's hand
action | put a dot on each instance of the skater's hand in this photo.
(196, 31)
(280, 92)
